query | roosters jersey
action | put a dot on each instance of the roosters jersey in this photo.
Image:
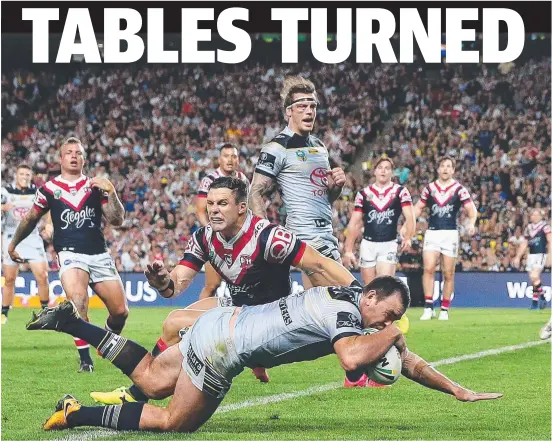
(208, 180)
(21, 200)
(255, 263)
(536, 236)
(381, 209)
(76, 210)
(444, 204)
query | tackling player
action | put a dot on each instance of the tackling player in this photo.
(77, 204)
(199, 371)
(228, 166)
(444, 198)
(17, 201)
(537, 237)
(251, 254)
(299, 163)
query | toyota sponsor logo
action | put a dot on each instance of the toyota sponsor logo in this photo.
(319, 177)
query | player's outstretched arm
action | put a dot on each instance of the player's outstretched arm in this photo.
(326, 272)
(25, 227)
(260, 185)
(113, 210)
(169, 284)
(417, 369)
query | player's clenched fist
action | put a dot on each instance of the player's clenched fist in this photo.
(102, 184)
(157, 275)
(337, 177)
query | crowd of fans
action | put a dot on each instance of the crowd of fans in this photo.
(154, 131)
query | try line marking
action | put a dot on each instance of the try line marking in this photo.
(97, 434)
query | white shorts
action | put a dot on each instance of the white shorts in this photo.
(100, 267)
(535, 261)
(372, 252)
(443, 241)
(31, 250)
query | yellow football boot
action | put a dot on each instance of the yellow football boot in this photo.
(403, 324)
(66, 406)
(118, 396)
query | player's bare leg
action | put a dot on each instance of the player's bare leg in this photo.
(431, 259)
(40, 272)
(75, 284)
(8, 291)
(538, 293)
(368, 274)
(112, 293)
(188, 410)
(175, 321)
(184, 318)
(160, 377)
(448, 270)
(212, 282)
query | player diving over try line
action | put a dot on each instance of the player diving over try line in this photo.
(225, 340)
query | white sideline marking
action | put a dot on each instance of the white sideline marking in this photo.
(103, 433)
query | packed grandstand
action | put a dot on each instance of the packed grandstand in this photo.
(154, 131)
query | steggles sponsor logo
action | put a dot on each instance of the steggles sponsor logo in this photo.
(442, 211)
(78, 218)
(380, 217)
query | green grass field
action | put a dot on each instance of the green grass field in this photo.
(39, 367)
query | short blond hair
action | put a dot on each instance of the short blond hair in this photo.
(72, 140)
(294, 84)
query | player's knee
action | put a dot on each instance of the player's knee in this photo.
(120, 314)
(448, 275)
(174, 322)
(9, 281)
(42, 277)
(430, 269)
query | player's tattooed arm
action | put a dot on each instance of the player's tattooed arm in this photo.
(417, 369)
(25, 227)
(260, 186)
(114, 211)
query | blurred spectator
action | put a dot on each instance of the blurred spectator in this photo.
(154, 130)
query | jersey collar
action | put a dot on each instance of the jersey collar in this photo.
(243, 229)
(70, 183)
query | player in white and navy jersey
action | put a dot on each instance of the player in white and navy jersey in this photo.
(17, 201)
(299, 163)
(251, 254)
(77, 205)
(378, 208)
(198, 373)
(537, 238)
(228, 166)
(444, 198)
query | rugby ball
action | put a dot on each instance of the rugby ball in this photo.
(386, 370)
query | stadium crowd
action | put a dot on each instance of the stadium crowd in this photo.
(154, 131)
